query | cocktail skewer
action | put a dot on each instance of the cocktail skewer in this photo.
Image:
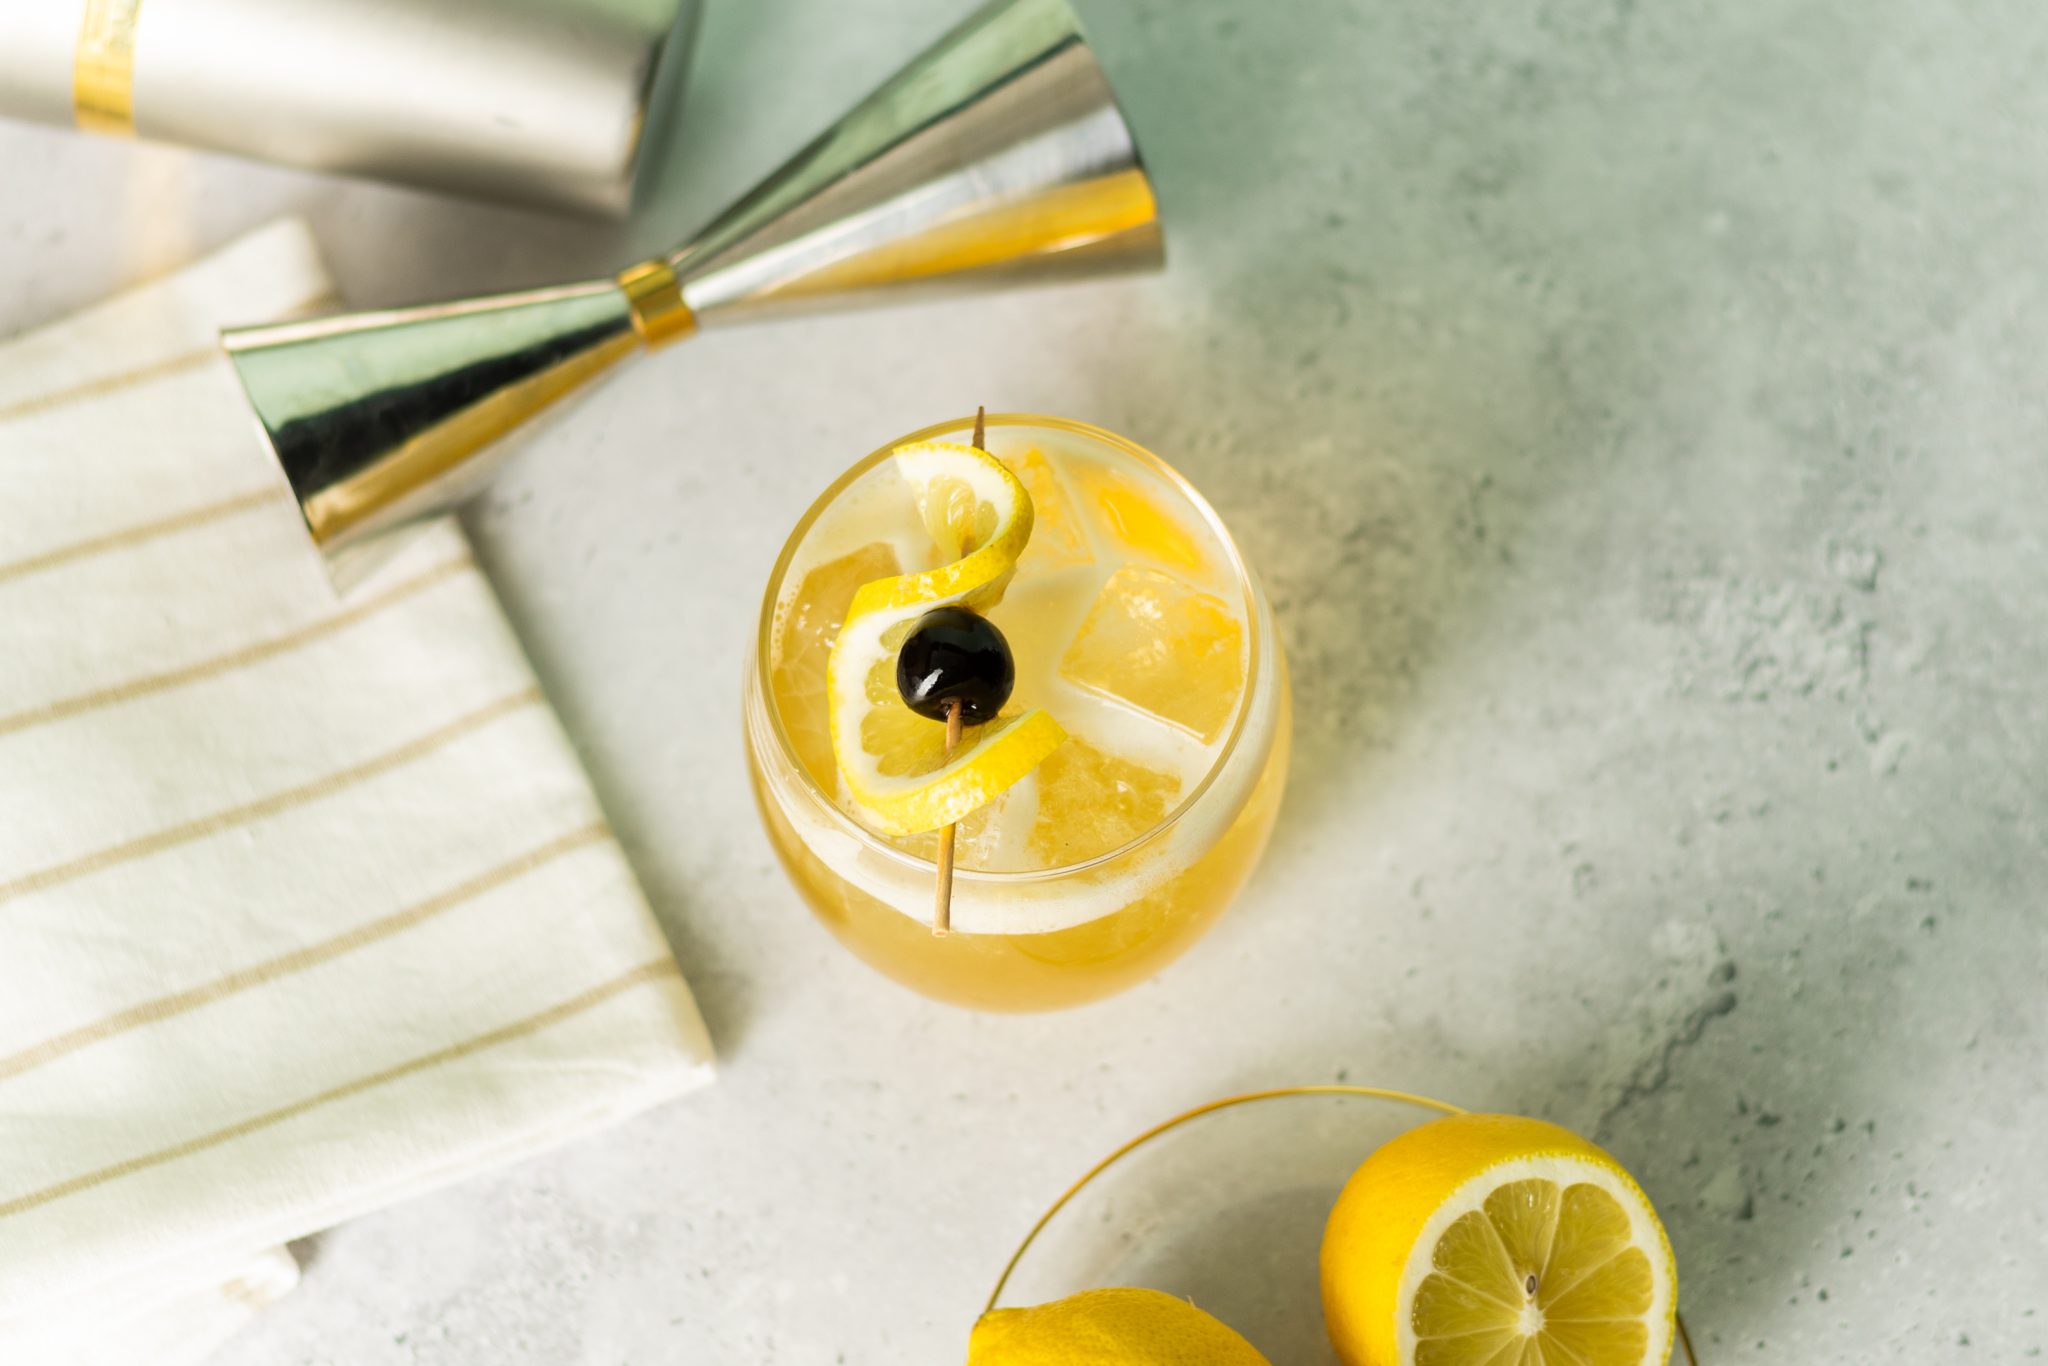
(942, 908)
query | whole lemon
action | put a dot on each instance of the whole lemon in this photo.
(1117, 1327)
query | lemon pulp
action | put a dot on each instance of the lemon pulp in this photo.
(1542, 1272)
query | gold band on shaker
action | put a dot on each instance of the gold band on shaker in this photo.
(103, 70)
(659, 314)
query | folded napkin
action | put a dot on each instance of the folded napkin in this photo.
(305, 904)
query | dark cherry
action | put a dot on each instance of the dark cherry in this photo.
(954, 655)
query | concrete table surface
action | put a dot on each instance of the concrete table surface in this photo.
(1638, 415)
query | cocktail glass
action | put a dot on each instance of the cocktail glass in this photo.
(1135, 621)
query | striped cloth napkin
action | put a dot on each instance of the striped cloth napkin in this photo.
(305, 904)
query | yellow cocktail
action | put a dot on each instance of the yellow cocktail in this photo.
(1134, 622)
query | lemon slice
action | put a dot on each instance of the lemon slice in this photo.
(1116, 1327)
(1495, 1240)
(895, 762)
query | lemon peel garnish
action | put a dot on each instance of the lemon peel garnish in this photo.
(895, 763)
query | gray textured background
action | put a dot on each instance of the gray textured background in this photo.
(1637, 412)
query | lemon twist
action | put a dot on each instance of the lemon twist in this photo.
(895, 763)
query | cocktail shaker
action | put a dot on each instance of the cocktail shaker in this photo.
(996, 157)
(540, 101)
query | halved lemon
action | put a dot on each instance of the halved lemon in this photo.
(894, 761)
(1496, 1240)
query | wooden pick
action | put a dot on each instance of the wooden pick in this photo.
(942, 911)
(942, 907)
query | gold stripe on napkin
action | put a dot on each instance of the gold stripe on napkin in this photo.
(103, 73)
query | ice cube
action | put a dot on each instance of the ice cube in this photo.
(1129, 513)
(1057, 540)
(982, 841)
(1090, 803)
(1163, 646)
(809, 624)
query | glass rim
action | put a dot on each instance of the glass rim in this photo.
(1342, 1090)
(807, 786)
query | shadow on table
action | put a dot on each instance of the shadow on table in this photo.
(1235, 1223)
(1751, 1161)
(1221, 1267)
(1381, 362)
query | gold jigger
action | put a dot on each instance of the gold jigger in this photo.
(996, 157)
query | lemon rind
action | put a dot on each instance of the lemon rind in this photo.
(982, 772)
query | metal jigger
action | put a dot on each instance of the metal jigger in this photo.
(997, 157)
